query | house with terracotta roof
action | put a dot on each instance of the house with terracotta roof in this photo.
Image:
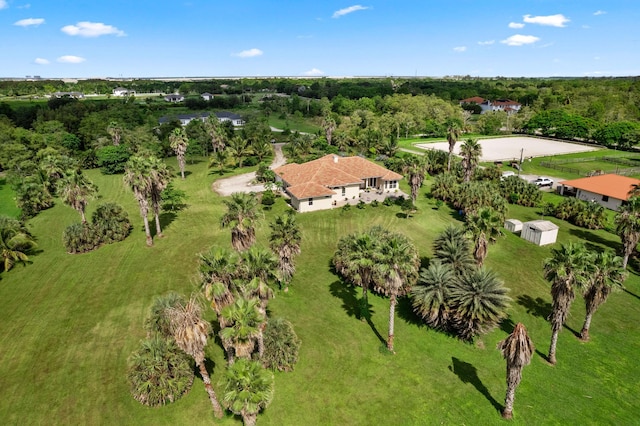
(323, 183)
(609, 190)
(506, 105)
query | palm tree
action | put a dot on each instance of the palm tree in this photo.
(244, 321)
(248, 389)
(628, 227)
(190, 332)
(355, 260)
(218, 159)
(239, 148)
(15, 242)
(415, 167)
(76, 190)
(452, 248)
(216, 133)
(430, 296)
(484, 225)
(566, 270)
(137, 176)
(608, 274)
(397, 266)
(454, 129)
(217, 269)
(241, 215)
(517, 350)
(115, 131)
(158, 321)
(179, 143)
(285, 242)
(328, 125)
(160, 177)
(471, 151)
(478, 301)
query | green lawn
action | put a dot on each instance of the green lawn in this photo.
(7, 201)
(293, 123)
(69, 322)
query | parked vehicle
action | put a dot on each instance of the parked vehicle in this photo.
(543, 181)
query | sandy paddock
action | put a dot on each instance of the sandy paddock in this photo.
(506, 149)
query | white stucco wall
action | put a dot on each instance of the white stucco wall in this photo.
(349, 192)
(320, 203)
(612, 203)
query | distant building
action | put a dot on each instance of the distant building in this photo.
(174, 98)
(222, 116)
(206, 96)
(121, 91)
(76, 95)
(506, 105)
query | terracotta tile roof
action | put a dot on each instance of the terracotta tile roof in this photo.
(474, 100)
(314, 178)
(611, 185)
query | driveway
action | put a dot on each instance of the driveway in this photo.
(245, 182)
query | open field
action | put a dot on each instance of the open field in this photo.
(506, 149)
(69, 322)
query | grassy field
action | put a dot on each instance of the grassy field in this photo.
(293, 123)
(7, 202)
(69, 322)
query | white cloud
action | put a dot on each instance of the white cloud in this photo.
(550, 20)
(486, 43)
(313, 72)
(249, 53)
(347, 10)
(41, 61)
(520, 40)
(70, 59)
(460, 48)
(516, 25)
(599, 12)
(3, 4)
(26, 6)
(91, 29)
(29, 22)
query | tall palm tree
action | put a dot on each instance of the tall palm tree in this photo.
(284, 240)
(454, 129)
(217, 269)
(484, 225)
(190, 332)
(608, 274)
(239, 148)
(248, 389)
(76, 190)
(160, 178)
(470, 151)
(115, 131)
(244, 322)
(429, 297)
(16, 243)
(329, 126)
(216, 133)
(397, 266)
(628, 227)
(179, 143)
(415, 167)
(517, 350)
(452, 248)
(241, 215)
(218, 159)
(566, 270)
(355, 258)
(138, 177)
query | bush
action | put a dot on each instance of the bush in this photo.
(387, 202)
(375, 203)
(268, 198)
(159, 372)
(586, 214)
(112, 159)
(518, 191)
(361, 205)
(111, 223)
(346, 207)
(80, 238)
(281, 345)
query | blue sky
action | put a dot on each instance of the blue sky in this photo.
(189, 38)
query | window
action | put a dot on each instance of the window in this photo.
(344, 191)
(392, 184)
(310, 201)
(605, 198)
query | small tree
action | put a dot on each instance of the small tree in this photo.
(179, 143)
(281, 345)
(248, 388)
(517, 350)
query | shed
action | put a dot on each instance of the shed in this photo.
(539, 232)
(513, 225)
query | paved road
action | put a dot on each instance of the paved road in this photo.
(244, 182)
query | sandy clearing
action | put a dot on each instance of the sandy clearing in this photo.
(505, 149)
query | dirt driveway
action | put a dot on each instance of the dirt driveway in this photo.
(244, 182)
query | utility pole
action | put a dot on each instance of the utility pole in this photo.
(520, 165)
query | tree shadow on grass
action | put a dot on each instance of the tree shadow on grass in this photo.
(592, 237)
(631, 294)
(404, 309)
(537, 307)
(507, 325)
(354, 306)
(166, 218)
(467, 373)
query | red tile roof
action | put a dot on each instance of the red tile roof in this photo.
(611, 185)
(314, 178)
(474, 100)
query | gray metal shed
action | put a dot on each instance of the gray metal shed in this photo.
(539, 232)
(513, 225)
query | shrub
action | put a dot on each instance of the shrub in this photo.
(361, 205)
(281, 345)
(111, 223)
(112, 159)
(375, 203)
(173, 198)
(159, 372)
(80, 238)
(518, 191)
(268, 198)
(586, 214)
(387, 202)
(346, 207)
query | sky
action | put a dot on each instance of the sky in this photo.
(264, 38)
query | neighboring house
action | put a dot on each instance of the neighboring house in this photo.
(223, 116)
(207, 96)
(506, 105)
(609, 190)
(77, 95)
(174, 98)
(121, 91)
(320, 184)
